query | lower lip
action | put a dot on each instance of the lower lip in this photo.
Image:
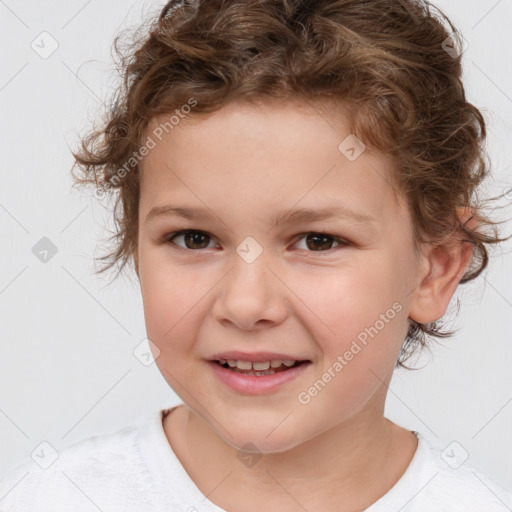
(252, 384)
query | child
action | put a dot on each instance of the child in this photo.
(297, 195)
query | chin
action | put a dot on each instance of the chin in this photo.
(263, 446)
(259, 441)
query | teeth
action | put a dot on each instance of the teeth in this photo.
(259, 366)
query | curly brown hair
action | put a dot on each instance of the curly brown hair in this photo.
(397, 63)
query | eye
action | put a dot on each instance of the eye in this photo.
(321, 242)
(196, 240)
(192, 239)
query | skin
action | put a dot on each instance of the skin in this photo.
(243, 164)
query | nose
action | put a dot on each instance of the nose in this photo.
(251, 297)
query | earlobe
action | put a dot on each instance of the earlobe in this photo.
(447, 264)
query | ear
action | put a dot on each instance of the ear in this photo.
(444, 267)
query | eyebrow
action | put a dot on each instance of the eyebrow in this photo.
(291, 216)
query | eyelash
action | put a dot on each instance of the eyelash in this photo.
(168, 239)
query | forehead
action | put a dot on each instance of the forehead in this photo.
(261, 157)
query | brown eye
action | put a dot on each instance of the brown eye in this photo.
(321, 242)
(318, 242)
(192, 239)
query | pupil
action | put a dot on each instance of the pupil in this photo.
(320, 241)
(194, 238)
(326, 241)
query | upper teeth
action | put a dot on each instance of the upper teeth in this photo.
(263, 365)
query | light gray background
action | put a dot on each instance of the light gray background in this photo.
(67, 369)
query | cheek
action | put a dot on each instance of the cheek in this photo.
(355, 313)
(167, 294)
(175, 301)
(347, 299)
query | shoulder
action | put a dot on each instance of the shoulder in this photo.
(77, 475)
(446, 481)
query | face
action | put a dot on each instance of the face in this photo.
(224, 267)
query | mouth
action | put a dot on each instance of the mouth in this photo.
(260, 368)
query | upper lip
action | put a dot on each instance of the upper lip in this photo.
(254, 357)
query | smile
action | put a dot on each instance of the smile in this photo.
(258, 368)
(247, 378)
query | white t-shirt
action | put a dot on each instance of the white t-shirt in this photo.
(135, 469)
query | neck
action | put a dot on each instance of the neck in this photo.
(352, 465)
